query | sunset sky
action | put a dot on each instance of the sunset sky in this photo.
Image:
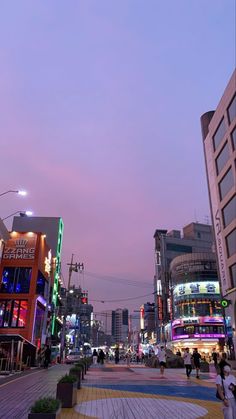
(99, 117)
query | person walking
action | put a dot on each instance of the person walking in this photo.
(47, 357)
(196, 361)
(226, 385)
(95, 357)
(162, 360)
(187, 362)
(117, 356)
(101, 356)
(223, 363)
(215, 357)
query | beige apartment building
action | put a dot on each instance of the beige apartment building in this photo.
(219, 140)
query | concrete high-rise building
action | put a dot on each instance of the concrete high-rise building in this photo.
(196, 238)
(120, 325)
(219, 141)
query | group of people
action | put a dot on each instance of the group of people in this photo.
(98, 357)
(44, 357)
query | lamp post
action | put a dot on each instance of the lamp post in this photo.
(22, 214)
(20, 192)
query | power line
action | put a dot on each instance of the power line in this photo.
(125, 281)
(124, 299)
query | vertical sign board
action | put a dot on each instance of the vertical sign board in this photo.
(213, 188)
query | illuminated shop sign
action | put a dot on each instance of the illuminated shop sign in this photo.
(192, 288)
(197, 320)
(23, 247)
(200, 336)
(48, 262)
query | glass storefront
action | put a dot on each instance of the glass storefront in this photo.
(13, 313)
(15, 280)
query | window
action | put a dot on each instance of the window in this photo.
(42, 285)
(179, 248)
(13, 313)
(220, 132)
(222, 158)
(231, 243)
(232, 271)
(232, 110)
(226, 183)
(233, 137)
(229, 211)
(15, 280)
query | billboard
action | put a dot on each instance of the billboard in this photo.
(20, 247)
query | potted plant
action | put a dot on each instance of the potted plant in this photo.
(82, 366)
(45, 408)
(77, 372)
(67, 390)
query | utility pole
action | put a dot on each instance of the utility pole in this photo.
(73, 267)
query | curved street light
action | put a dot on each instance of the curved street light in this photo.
(22, 214)
(22, 193)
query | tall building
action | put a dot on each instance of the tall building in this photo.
(197, 313)
(26, 277)
(147, 322)
(120, 330)
(196, 238)
(53, 228)
(219, 141)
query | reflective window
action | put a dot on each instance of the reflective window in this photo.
(13, 313)
(42, 285)
(229, 211)
(226, 184)
(233, 136)
(232, 110)
(232, 271)
(15, 280)
(220, 132)
(222, 158)
(231, 243)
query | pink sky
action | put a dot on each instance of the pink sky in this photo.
(99, 113)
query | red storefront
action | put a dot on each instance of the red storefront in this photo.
(25, 286)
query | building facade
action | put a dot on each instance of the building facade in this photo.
(53, 228)
(120, 327)
(26, 283)
(219, 142)
(196, 237)
(197, 313)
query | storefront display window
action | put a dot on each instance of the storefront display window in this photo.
(13, 313)
(15, 280)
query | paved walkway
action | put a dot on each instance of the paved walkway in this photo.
(117, 392)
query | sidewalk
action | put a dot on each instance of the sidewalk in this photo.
(117, 392)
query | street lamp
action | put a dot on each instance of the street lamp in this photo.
(22, 214)
(22, 193)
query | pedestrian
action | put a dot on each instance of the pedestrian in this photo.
(196, 361)
(226, 385)
(178, 353)
(214, 357)
(187, 362)
(117, 356)
(162, 360)
(128, 357)
(101, 356)
(95, 357)
(223, 363)
(47, 357)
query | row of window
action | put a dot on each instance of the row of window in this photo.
(221, 130)
(13, 313)
(224, 154)
(193, 330)
(17, 280)
(197, 309)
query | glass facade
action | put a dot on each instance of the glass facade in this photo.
(15, 280)
(232, 110)
(219, 134)
(226, 183)
(229, 211)
(231, 243)
(195, 329)
(13, 313)
(42, 285)
(190, 308)
(222, 158)
(232, 271)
